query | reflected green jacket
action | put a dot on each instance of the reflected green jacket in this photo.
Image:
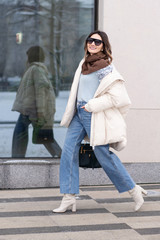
(35, 96)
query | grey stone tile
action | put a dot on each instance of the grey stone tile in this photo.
(90, 189)
(38, 199)
(50, 213)
(142, 222)
(148, 231)
(15, 231)
(137, 214)
(121, 200)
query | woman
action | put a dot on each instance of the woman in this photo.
(35, 101)
(97, 105)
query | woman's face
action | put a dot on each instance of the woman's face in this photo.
(94, 47)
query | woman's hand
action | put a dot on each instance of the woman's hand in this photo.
(84, 108)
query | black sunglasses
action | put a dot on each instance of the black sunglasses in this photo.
(97, 42)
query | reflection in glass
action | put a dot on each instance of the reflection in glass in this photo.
(60, 27)
(35, 101)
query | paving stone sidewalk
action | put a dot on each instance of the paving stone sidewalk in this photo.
(102, 214)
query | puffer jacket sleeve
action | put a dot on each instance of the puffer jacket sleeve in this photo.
(40, 83)
(115, 96)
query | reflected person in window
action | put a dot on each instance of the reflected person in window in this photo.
(35, 101)
(97, 106)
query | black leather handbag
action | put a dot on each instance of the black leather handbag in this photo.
(87, 158)
(41, 136)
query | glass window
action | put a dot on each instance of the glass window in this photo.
(41, 45)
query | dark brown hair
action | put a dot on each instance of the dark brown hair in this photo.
(106, 45)
(35, 54)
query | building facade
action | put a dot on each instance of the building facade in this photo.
(61, 27)
(133, 29)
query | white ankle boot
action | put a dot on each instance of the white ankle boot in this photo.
(136, 194)
(68, 200)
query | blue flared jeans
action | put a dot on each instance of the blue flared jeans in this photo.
(69, 163)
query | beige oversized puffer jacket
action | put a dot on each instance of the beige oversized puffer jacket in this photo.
(109, 107)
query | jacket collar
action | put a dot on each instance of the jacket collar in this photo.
(107, 81)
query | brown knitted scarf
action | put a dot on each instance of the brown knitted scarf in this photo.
(94, 63)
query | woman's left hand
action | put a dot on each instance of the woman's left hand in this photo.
(84, 108)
